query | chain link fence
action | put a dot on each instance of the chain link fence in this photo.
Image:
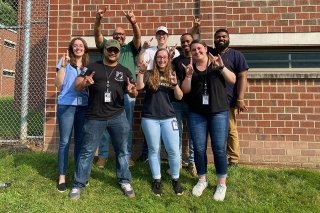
(23, 66)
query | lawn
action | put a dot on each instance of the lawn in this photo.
(250, 189)
(10, 120)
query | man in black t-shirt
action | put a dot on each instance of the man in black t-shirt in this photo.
(107, 82)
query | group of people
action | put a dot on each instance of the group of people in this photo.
(96, 101)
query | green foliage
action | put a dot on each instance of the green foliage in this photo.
(10, 120)
(8, 14)
(250, 189)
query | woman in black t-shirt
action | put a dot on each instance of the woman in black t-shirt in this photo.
(158, 117)
(208, 113)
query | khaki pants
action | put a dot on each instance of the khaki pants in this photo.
(233, 147)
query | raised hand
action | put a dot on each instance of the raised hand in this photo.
(216, 61)
(172, 51)
(147, 44)
(196, 22)
(188, 69)
(143, 65)
(131, 87)
(173, 78)
(88, 79)
(65, 59)
(130, 16)
(100, 12)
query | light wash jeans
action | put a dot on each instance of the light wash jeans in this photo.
(105, 141)
(153, 131)
(70, 118)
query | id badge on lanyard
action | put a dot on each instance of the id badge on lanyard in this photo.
(107, 97)
(205, 99)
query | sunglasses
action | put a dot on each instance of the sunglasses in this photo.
(113, 49)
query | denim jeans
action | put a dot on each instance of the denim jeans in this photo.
(69, 118)
(181, 110)
(104, 145)
(155, 129)
(118, 129)
(217, 125)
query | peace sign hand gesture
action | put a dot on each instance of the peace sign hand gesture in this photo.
(188, 69)
(143, 65)
(196, 22)
(172, 51)
(100, 13)
(216, 61)
(173, 78)
(130, 16)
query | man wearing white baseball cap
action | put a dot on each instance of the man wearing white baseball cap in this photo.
(147, 52)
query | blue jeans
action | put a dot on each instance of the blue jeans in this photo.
(153, 131)
(118, 129)
(69, 118)
(217, 125)
(181, 110)
(104, 145)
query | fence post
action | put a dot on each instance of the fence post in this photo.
(25, 71)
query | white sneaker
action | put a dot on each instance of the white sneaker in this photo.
(220, 193)
(199, 187)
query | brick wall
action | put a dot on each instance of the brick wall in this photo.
(280, 127)
(8, 59)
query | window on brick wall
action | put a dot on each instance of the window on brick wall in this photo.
(8, 73)
(95, 56)
(283, 59)
(9, 44)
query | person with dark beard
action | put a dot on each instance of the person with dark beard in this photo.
(235, 61)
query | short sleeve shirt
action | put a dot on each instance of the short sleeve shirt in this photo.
(128, 55)
(235, 61)
(157, 104)
(117, 76)
(68, 94)
(218, 100)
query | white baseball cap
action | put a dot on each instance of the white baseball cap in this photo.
(162, 28)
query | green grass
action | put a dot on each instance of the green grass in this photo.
(10, 120)
(250, 189)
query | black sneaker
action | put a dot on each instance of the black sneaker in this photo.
(177, 188)
(61, 187)
(157, 187)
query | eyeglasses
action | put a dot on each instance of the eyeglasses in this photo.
(113, 49)
(162, 57)
(118, 34)
(77, 46)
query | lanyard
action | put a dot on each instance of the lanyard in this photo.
(205, 78)
(108, 76)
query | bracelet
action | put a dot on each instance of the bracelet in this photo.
(189, 76)
(221, 69)
(174, 85)
(133, 23)
(63, 66)
(141, 72)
